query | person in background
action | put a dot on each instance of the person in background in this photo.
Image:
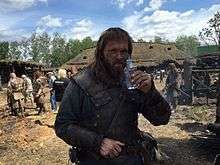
(60, 84)
(15, 96)
(27, 89)
(172, 86)
(39, 92)
(73, 70)
(69, 74)
(51, 79)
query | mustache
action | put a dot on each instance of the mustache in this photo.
(122, 62)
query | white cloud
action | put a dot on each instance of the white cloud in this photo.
(11, 5)
(154, 5)
(168, 24)
(49, 24)
(7, 34)
(122, 3)
(8, 30)
(139, 2)
(50, 21)
(40, 30)
(82, 29)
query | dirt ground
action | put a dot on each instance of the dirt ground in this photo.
(31, 140)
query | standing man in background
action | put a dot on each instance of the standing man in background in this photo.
(51, 79)
(27, 89)
(39, 92)
(172, 86)
(15, 96)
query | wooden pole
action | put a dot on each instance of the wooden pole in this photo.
(218, 101)
(187, 77)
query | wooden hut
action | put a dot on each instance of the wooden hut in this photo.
(18, 67)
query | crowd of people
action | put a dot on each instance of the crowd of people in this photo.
(23, 91)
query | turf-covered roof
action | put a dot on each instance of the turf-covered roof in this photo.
(143, 52)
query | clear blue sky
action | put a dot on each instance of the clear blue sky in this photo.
(78, 19)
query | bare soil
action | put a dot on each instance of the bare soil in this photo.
(31, 140)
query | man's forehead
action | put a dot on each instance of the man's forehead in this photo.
(117, 42)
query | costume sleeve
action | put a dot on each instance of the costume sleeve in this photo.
(155, 108)
(67, 125)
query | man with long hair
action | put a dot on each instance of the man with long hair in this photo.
(98, 115)
(172, 86)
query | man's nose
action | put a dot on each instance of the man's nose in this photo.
(120, 55)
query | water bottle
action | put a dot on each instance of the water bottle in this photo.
(129, 69)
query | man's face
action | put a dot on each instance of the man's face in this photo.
(115, 55)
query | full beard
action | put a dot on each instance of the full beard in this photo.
(114, 69)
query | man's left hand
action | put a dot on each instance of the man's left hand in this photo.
(142, 80)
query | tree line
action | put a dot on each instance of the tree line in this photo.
(50, 50)
(209, 35)
(188, 44)
(55, 50)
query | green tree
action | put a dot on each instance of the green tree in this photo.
(87, 43)
(34, 41)
(40, 47)
(24, 47)
(158, 40)
(45, 40)
(140, 40)
(58, 56)
(211, 34)
(14, 50)
(74, 47)
(4, 49)
(188, 44)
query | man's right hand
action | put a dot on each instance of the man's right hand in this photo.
(110, 148)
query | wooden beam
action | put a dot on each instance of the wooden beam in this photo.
(206, 70)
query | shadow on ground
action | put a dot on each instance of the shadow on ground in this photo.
(192, 127)
(193, 151)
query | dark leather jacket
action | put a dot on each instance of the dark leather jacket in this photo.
(88, 107)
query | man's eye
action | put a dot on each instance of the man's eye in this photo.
(124, 51)
(112, 51)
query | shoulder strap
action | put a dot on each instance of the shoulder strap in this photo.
(87, 82)
(117, 112)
